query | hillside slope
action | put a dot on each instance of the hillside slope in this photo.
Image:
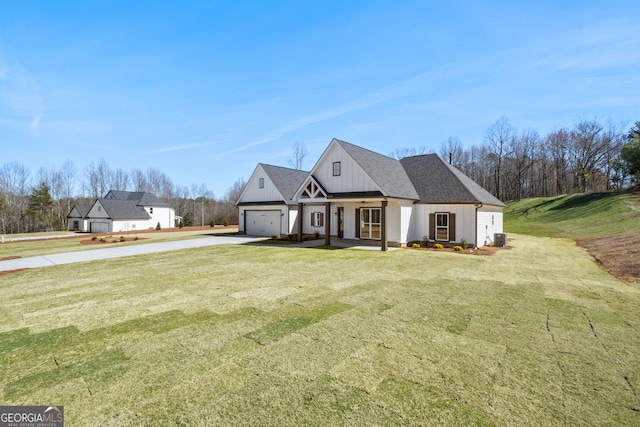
(606, 224)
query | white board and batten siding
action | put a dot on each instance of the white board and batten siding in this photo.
(465, 221)
(254, 193)
(352, 177)
(490, 221)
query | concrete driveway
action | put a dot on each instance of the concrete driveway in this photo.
(121, 251)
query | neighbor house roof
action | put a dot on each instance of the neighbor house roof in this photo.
(386, 172)
(286, 180)
(141, 197)
(123, 209)
(436, 181)
(82, 210)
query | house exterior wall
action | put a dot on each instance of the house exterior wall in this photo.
(307, 210)
(490, 221)
(82, 224)
(164, 215)
(352, 177)
(130, 225)
(465, 221)
(292, 227)
(399, 213)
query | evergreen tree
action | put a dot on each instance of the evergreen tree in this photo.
(41, 207)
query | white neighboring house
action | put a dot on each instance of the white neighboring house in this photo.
(355, 193)
(127, 211)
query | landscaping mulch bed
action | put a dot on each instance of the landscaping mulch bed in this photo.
(108, 240)
(618, 254)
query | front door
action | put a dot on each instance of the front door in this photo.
(340, 222)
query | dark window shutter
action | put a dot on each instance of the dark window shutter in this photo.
(432, 226)
(312, 223)
(321, 219)
(357, 223)
(452, 227)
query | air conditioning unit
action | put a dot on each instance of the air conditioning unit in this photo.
(499, 239)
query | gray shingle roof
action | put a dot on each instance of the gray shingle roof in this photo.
(141, 197)
(386, 172)
(82, 210)
(286, 180)
(436, 181)
(123, 209)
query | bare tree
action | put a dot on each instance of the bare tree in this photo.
(498, 136)
(99, 178)
(453, 152)
(401, 153)
(297, 157)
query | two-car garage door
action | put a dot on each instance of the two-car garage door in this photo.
(262, 223)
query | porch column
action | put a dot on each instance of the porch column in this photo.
(327, 223)
(300, 222)
(383, 226)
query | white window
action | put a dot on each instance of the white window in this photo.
(261, 183)
(317, 219)
(336, 168)
(442, 226)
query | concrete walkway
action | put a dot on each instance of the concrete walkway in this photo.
(121, 251)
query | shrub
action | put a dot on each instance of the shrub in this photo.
(438, 246)
(102, 240)
(415, 245)
(425, 240)
(158, 226)
(226, 222)
(94, 238)
(122, 238)
(457, 248)
(135, 238)
(180, 224)
(213, 223)
(463, 243)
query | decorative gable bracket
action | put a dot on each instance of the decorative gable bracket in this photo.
(313, 190)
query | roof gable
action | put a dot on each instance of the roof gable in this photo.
(269, 183)
(79, 211)
(387, 173)
(436, 181)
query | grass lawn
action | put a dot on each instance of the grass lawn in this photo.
(72, 244)
(254, 335)
(576, 216)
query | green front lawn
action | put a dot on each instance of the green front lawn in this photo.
(251, 335)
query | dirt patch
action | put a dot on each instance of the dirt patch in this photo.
(618, 254)
(7, 258)
(12, 271)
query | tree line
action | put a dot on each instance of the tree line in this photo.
(589, 157)
(42, 202)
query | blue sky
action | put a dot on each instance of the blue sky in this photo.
(205, 90)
